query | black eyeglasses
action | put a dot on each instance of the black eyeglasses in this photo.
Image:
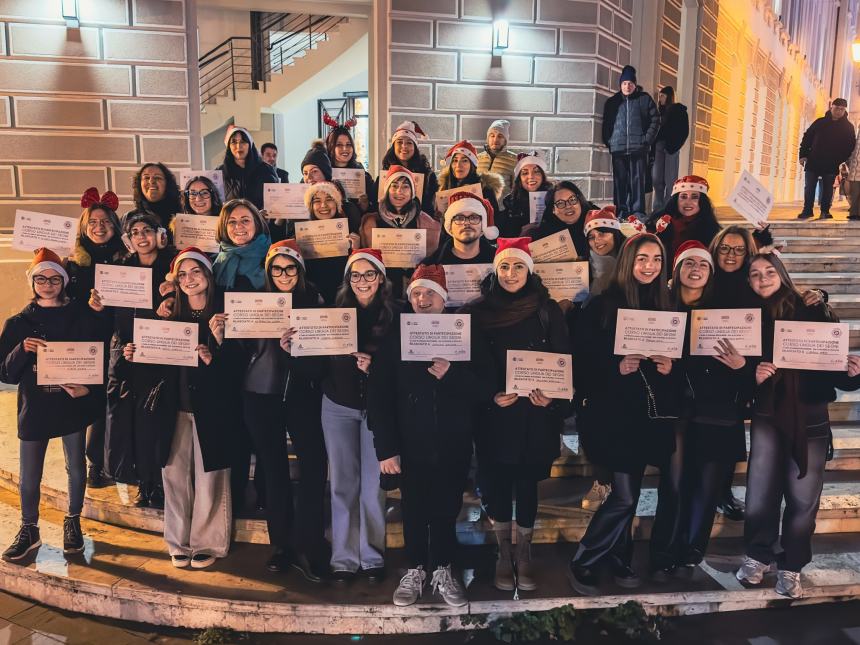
(202, 194)
(725, 249)
(288, 271)
(462, 219)
(561, 203)
(369, 276)
(54, 280)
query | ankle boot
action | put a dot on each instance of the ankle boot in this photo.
(504, 578)
(523, 558)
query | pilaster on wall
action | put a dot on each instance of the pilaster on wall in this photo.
(563, 62)
(85, 107)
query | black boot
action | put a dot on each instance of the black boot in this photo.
(156, 497)
(27, 540)
(732, 508)
(96, 477)
(73, 537)
(142, 498)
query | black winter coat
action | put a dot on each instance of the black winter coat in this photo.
(445, 254)
(630, 123)
(516, 213)
(247, 183)
(419, 417)
(827, 143)
(45, 412)
(674, 127)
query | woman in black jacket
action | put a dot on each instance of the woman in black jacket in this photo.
(461, 169)
(186, 406)
(518, 438)
(423, 416)
(340, 147)
(529, 177)
(404, 152)
(673, 132)
(627, 406)
(244, 171)
(790, 438)
(48, 411)
(566, 210)
(282, 393)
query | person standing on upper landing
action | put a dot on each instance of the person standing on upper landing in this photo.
(673, 133)
(826, 143)
(630, 125)
(496, 157)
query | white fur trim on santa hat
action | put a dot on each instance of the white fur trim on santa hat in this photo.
(530, 160)
(326, 187)
(364, 256)
(289, 251)
(406, 129)
(389, 179)
(41, 266)
(232, 130)
(465, 205)
(513, 253)
(684, 186)
(471, 156)
(427, 284)
(694, 252)
(602, 222)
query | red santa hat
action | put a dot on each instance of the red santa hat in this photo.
(429, 276)
(393, 173)
(465, 202)
(464, 148)
(44, 258)
(329, 189)
(410, 130)
(191, 253)
(285, 247)
(232, 129)
(692, 249)
(690, 182)
(514, 248)
(533, 158)
(374, 256)
(603, 218)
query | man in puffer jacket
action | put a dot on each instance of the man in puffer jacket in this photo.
(630, 125)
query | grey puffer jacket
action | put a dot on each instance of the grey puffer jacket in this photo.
(630, 123)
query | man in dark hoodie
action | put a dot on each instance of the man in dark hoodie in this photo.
(630, 125)
(826, 143)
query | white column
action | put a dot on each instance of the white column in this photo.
(688, 74)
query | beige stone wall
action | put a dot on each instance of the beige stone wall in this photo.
(85, 107)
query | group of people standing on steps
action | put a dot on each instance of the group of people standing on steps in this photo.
(370, 422)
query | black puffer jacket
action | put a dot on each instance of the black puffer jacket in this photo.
(827, 143)
(630, 123)
(674, 127)
(247, 183)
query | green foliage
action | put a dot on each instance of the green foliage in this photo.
(631, 620)
(218, 636)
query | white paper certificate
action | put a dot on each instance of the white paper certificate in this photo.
(165, 342)
(550, 373)
(742, 328)
(810, 345)
(537, 203)
(122, 286)
(34, 230)
(464, 282)
(442, 196)
(424, 337)
(402, 248)
(215, 176)
(324, 332)
(352, 180)
(70, 363)
(196, 230)
(565, 280)
(325, 238)
(651, 333)
(285, 201)
(751, 199)
(557, 247)
(257, 315)
(419, 186)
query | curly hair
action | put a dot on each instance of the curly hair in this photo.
(171, 190)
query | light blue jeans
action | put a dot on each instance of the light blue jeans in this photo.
(32, 464)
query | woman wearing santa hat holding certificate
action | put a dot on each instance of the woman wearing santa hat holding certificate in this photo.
(518, 437)
(404, 152)
(461, 169)
(529, 177)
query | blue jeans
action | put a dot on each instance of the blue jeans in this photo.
(33, 463)
(825, 196)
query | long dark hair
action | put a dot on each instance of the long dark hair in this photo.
(417, 162)
(669, 91)
(675, 289)
(251, 161)
(448, 179)
(517, 191)
(301, 283)
(171, 189)
(705, 218)
(383, 298)
(551, 223)
(331, 142)
(617, 237)
(631, 292)
(181, 309)
(215, 195)
(787, 298)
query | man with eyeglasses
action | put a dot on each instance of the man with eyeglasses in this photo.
(269, 153)
(469, 222)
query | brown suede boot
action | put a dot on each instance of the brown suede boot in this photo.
(523, 558)
(504, 578)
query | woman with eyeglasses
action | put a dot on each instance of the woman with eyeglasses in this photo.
(244, 170)
(46, 412)
(154, 189)
(566, 210)
(201, 197)
(133, 448)
(357, 501)
(341, 150)
(404, 152)
(461, 169)
(280, 394)
(529, 177)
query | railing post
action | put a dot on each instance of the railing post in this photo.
(310, 32)
(257, 47)
(232, 70)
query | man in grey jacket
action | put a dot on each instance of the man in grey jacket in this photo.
(630, 125)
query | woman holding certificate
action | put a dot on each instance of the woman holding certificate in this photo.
(623, 438)
(186, 406)
(790, 436)
(357, 502)
(340, 147)
(518, 437)
(48, 411)
(461, 170)
(569, 207)
(529, 177)
(404, 153)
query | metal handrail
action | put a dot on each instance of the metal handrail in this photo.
(214, 65)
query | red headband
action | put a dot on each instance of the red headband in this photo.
(91, 198)
(332, 123)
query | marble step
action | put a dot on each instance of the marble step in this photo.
(846, 407)
(822, 262)
(808, 244)
(833, 283)
(845, 305)
(799, 228)
(126, 574)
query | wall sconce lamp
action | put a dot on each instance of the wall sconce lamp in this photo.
(501, 35)
(70, 13)
(855, 51)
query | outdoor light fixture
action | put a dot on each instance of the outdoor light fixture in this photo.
(855, 51)
(500, 36)
(70, 13)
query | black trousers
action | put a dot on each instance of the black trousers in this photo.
(665, 542)
(431, 498)
(504, 482)
(95, 450)
(703, 488)
(772, 479)
(628, 180)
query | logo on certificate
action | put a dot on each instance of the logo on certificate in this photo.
(749, 318)
(339, 226)
(836, 333)
(67, 225)
(418, 236)
(346, 318)
(93, 350)
(578, 270)
(282, 302)
(562, 362)
(458, 323)
(562, 238)
(676, 321)
(187, 331)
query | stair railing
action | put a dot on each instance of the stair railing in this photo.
(224, 69)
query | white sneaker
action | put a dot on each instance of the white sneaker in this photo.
(788, 584)
(596, 496)
(752, 571)
(445, 583)
(410, 587)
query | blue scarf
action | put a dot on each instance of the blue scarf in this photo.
(242, 260)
